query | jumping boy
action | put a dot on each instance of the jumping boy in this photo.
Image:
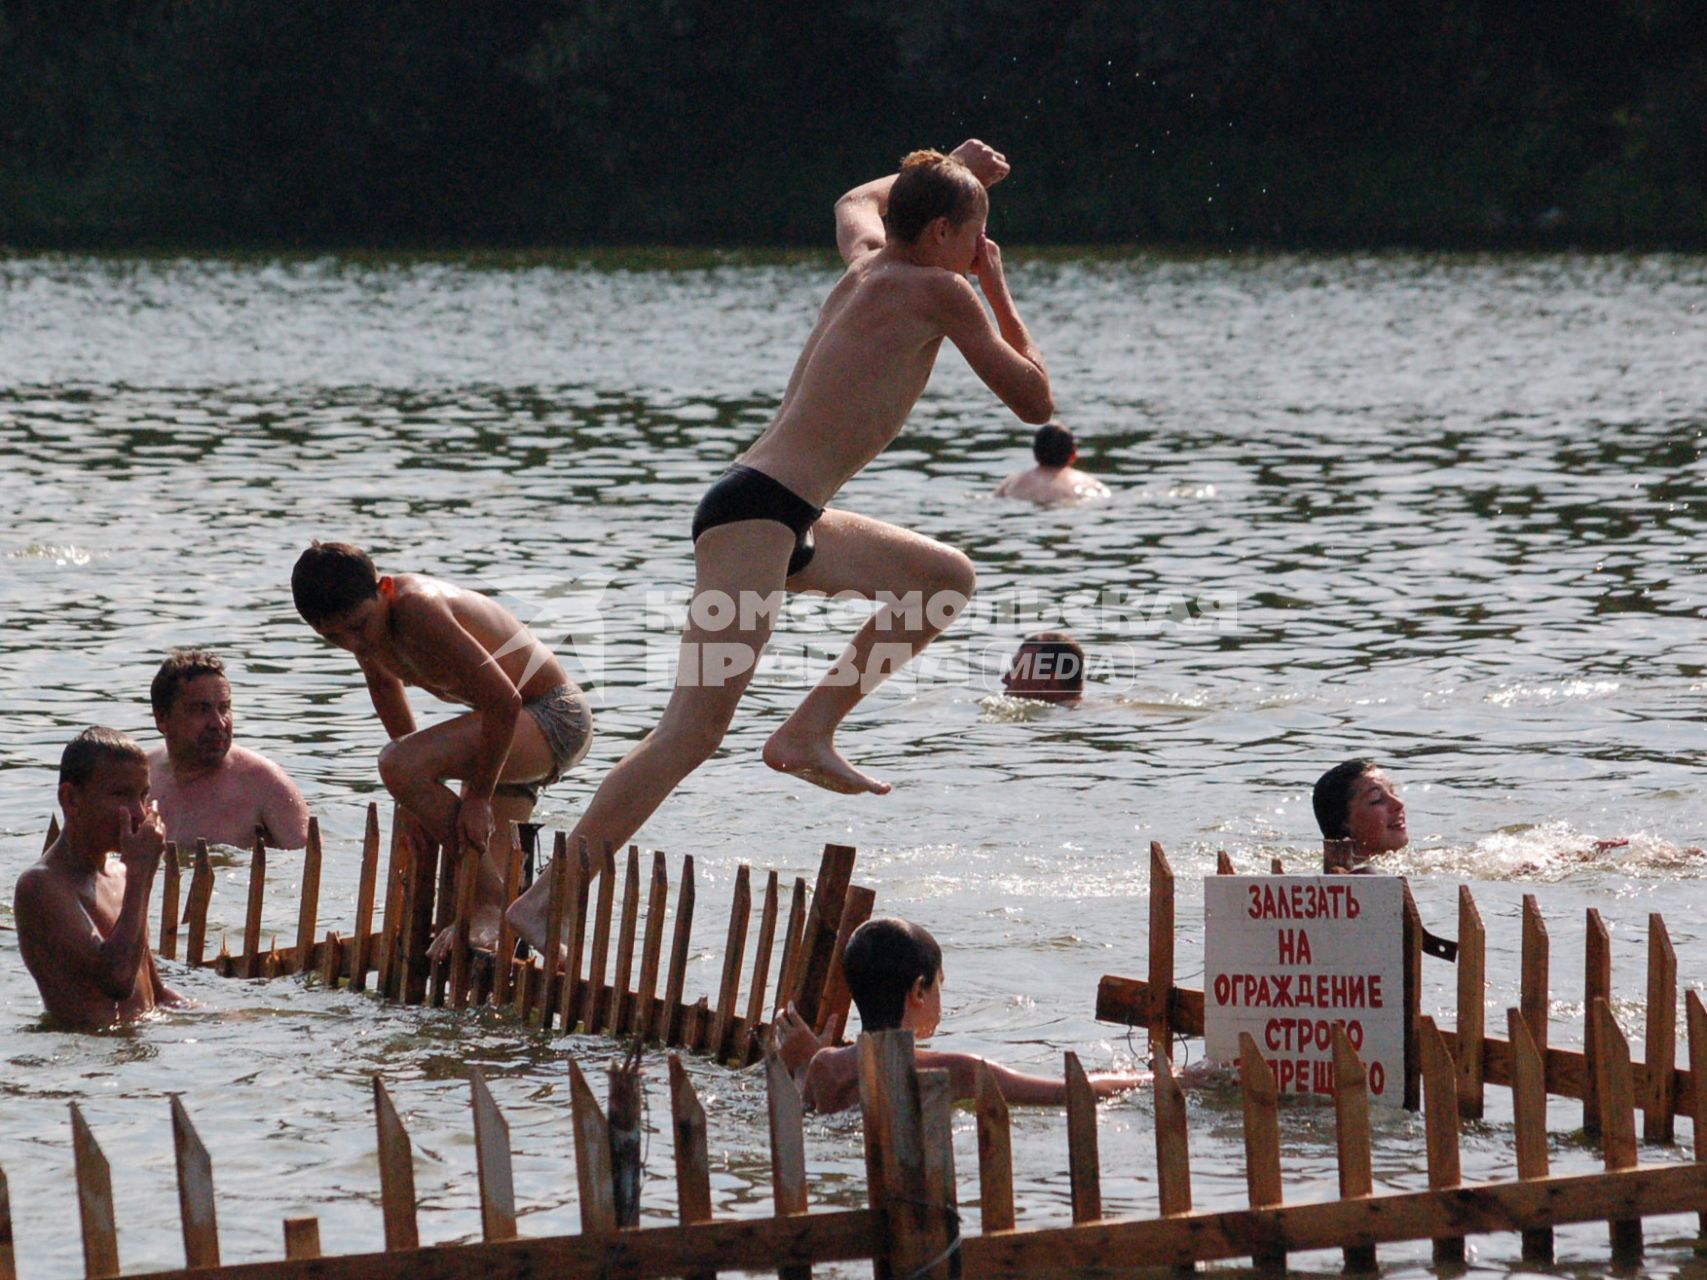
(529, 722)
(909, 240)
(894, 972)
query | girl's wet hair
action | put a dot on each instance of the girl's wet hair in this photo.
(1332, 797)
(883, 960)
(930, 186)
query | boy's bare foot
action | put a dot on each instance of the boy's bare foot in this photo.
(527, 914)
(817, 761)
(482, 934)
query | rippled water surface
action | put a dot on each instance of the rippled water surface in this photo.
(1446, 512)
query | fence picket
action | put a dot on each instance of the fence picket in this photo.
(195, 1191)
(1529, 1113)
(169, 891)
(94, 1202)
(1161, 951)
(492, 1156)
(1659, 1102)
(1262, 1140)
(995, 1155)
(1617, 1098)
(1597, 985)
(620, 1011)
(592, 1153)
(1472, 1012)
(396, 1174)
(1356, 1157)
(1440, 1092)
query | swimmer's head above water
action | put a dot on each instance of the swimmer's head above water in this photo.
(341, 595)
(1054, 446)
(894, 973)
(191, 699)
(1047, 667)
(938, 209)
(1357, 806)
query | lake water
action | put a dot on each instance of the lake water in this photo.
(1443, 511)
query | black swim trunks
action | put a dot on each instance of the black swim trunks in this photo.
(744, 493)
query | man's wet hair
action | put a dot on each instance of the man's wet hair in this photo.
(181, 667)
(1332, 797)
(330, 579)
(1053, 656)
(930, 186)
(1053, 446)
(85, 752)
(883, 960)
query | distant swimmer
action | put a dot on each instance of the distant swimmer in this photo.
(206, 786)
(1054, 481)
(82, 915)
(762, 529)
(1360, 815)
(1047, 667)
(529, 725)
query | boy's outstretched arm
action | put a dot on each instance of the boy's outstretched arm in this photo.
(1019, 1088)
(1001, 354)
(859, 219)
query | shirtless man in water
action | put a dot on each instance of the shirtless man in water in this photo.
(529, 722)
(908, 239)
(82, 916)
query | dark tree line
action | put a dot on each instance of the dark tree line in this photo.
(457, 122)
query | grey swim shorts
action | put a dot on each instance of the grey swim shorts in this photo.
(566, 721)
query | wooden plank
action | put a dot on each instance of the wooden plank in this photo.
(1617, 1096)
(627, 1133)
(1414, 1215)
(642, 1017)
(451, 858)
(1161, 949)
(592, 997)
(788, 976)
(1127, 1000)
(747, 1033)
(552, 980)
(331, 961)
(8, 1254)
(693, 1160)
(1276, 867)
(734, 952)
(521, 988)
(913, 1229)
(1535, 998)
(201, 893)
(169, 891)
(1224, 864)
(1351, 1132)
(1084, 1169)
(1597, 985)
(936, 1131)
(492, 1159)
(94, 1201)
(271, 964)
(836, 999)
(195, 1191)
(1173, 1154)
(302, 1238)
(1472, 1012)
(575, 924)
(308, 900)
(1411, 934)
(396, 1174)
(503, 968)
(1529, 1115)
(1440, 1090)
(1262, 1142)
(389, 963)
(696, 1022)
(251, 967)
(995, 1155)
(754, 1244)
(592, 1155)
(360, 960)
(670, 1017)
(621, 1009)
(787, 1134)
(1695, 1097)
(818, 942)
(1659, 1098)
(461, 952)
(417, 923)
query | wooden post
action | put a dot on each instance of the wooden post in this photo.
(1617, 1119)
(788, 1146)
(308, 902)
(417, 923)
(552, 979)
(1351, 1126)
(787, 976)
(390, 964)
(592, 994)
(1262, 1140)
(252, 919)
(1224, 864)
(1529, 1113)
(396, 1174)
(1173, 1157)
(1161, 950)
(1533, 1004)
(1472, 1011)
(1440, 1090)
(461, 956)
(749, 1026)
(503, 968)
(575, 921)
(492, 1159)
(201, 893)
(995, 1156)
(670, 1017)
(592, 1157)
(836, 999)
(301, 1238)
(195, 1191)
(734, 952)
(8, 1255)
(1084, 1171)
(331, 961)
(936, 1131)
(1695, 1014)
(94, 1202)
(169, 903)
(693, 1161)
(622, 1000)
(1411, 933)
(1276, 867)
(642, 1017)
(914, 1231)
(1597, 985)
(360, 960)
(1659, 1105)
(818, 942)
(626, 1113)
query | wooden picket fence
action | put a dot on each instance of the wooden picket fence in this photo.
(599, 990)
(912, 1225)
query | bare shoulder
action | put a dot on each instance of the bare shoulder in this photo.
(253, 766)
(40, 889)
(422, 605)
